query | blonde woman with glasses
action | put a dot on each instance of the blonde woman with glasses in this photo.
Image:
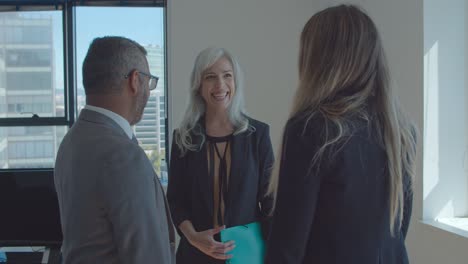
(343, 181)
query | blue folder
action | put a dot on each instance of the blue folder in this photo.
(250, 246)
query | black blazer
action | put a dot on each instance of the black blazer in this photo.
(338, 212)
(190, 189)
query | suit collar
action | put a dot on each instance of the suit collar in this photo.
(99, 118)
(122, 122)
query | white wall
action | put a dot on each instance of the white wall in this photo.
(264, 34)
(445, 180)
(465, 23)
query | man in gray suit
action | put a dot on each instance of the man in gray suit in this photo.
(112, 206)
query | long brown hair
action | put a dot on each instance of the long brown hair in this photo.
(342, 73)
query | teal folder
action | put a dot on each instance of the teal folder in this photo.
(250, 246)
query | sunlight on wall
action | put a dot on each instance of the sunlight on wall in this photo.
(448, 209)
(431, 120)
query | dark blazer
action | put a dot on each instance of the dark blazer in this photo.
(190, 189)
(338, 212)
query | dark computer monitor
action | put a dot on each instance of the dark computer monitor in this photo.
(29, 211)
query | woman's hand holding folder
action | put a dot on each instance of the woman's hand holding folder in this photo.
(205, 242)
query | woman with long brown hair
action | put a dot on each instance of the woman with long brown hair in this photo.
(343, 182)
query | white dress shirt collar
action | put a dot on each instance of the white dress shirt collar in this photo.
(122, 122)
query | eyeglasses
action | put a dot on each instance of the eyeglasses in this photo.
(153, 80)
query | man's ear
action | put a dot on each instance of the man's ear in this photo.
(133, 82)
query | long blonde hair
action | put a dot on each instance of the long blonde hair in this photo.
(342, 73)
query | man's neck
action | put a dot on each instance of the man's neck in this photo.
(110, 103)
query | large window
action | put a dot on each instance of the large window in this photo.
(31, 82)
(146, 26)
(40, 98)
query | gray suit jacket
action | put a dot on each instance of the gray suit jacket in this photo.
(112, 206)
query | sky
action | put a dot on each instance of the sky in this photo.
(144, 25)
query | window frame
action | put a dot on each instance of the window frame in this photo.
(68, 9)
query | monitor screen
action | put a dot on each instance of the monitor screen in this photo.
(29, 211)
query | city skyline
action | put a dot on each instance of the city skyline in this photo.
(31, 59)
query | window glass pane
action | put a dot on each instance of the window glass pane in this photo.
(145, 26)
(30, 147)
(27, 58)
(31, 64)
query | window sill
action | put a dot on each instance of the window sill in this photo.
(455, 225)
(22, 249)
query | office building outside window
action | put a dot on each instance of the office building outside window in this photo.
(28, 86)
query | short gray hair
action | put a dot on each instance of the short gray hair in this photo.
(196, 108)
(108, 60)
